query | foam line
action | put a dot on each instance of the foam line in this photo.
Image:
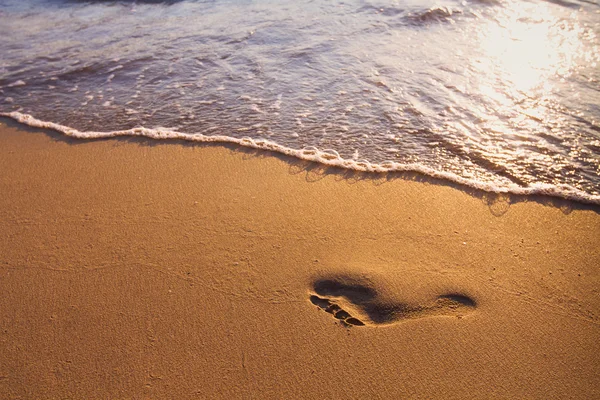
(325, 157)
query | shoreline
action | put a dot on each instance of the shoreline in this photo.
(159, 270)
(325, 158)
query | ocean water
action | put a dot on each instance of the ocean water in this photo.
(501, 95)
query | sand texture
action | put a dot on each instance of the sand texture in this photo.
(143, 269)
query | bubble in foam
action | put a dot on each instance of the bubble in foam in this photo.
(17, 83)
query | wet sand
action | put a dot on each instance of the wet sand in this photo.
(141, 269)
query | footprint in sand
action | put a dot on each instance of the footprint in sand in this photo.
(356, 303)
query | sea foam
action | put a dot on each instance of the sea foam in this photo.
(326, 157)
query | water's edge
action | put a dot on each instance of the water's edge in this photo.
(325, 157)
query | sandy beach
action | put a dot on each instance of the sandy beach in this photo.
(135, 269)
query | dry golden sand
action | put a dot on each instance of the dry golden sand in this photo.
(136, 269)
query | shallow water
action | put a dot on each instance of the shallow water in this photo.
(500, 95)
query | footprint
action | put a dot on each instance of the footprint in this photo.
(355, 303)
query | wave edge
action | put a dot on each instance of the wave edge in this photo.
(325, 157)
